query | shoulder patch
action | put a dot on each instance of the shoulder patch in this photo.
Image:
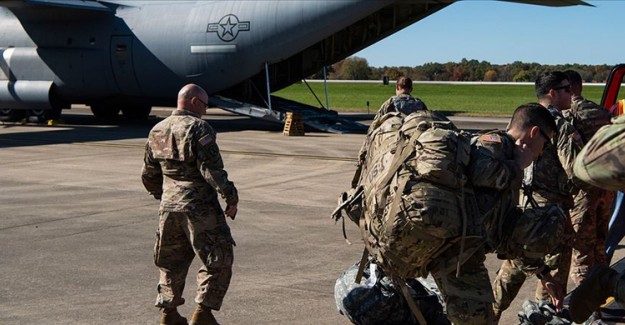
(490, 138)
(206, 140)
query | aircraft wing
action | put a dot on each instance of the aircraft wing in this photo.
(553, 3)
(70, 4)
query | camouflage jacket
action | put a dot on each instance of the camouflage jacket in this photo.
(402, 103)
(602, 161)
(496, 179)
(182, 164)
(551, 176)
(587, 117)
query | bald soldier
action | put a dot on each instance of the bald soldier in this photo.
(602, 164)
(184, 170)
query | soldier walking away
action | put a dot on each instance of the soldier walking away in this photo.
(184, 170)
(602, 164)
(402, 102)
(550, 179)
(591, 213)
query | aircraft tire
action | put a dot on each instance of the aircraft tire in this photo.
(12, 115)
(138, 112)
(104, 111)
(42, 115)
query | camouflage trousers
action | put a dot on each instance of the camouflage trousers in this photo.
(590, 218)
(468, 297)
(512, 275)
(182, 236)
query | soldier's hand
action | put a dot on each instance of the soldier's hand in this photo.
(522, 155)
(555, 291)
(231, 211)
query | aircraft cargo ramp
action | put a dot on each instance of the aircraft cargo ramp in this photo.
(314, 117)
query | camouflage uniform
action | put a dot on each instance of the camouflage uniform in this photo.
(551, 180)
(602, 161)
(183, 168)
(591, 213)
(602, 164)
(496, 179)
(402, 103)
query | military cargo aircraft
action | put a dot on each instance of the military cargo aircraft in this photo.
(130, 55)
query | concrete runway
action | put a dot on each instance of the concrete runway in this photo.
(77, 228)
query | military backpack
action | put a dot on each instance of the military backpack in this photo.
(416, 204)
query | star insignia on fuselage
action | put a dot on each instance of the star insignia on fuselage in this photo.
(228, 27)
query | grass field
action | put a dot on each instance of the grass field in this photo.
(453, 99)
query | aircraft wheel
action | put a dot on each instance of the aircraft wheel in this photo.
(42, 115)
(12, 115)
(104, 111)
(138, 112)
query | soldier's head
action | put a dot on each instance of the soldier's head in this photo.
(533, 126)
(403, 86)
(193, 98)
(576, 82)
(553, 88)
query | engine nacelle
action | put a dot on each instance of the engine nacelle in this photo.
(25, 80)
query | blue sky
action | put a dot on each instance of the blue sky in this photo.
(503, 32)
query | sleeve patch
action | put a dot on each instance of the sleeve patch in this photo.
(490, 138)
(206, 140)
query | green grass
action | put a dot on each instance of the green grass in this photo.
(470, 100)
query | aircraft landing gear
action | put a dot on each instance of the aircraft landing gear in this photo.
(11, 115)
(42, 115)
(105, 111)
(137, 112)
(110, 110)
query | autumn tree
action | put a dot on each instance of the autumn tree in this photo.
(490, 75)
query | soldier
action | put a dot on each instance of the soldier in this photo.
(496, 172)
(602, 164)
(184, 170)
(551, 181)
(591, 213)
(402, 102)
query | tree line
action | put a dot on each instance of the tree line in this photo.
(357, 68)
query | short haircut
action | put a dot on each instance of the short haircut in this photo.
(404, 83)
(574, 78)
(532, 114)
(189, 91)
(547, 81)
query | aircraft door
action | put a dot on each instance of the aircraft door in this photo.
(123, 67)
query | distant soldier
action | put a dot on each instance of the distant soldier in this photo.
(184, 170)
(602, 164)
(551, 181)
(591, 213)
(402, 102)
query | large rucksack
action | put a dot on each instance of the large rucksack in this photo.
(417, 205)
(587, 117)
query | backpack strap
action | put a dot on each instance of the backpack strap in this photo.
(361, 268)
(405, 148)
(401, 283)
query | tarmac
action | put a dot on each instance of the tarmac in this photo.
(77, 228)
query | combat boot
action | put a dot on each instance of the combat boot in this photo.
(203, 316)
(600, 284)
(170, 316)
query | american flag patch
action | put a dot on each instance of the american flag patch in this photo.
(207, 139)
(491, 138)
